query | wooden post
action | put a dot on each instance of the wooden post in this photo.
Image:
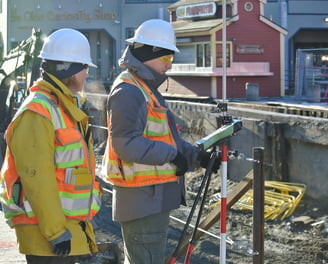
(258, 210)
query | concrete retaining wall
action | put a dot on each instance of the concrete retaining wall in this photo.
(296, 146)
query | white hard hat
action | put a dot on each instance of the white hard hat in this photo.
(68, 45)
(155, 32)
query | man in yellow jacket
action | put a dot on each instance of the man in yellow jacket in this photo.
(49, 192)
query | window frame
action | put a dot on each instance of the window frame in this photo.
(129, 32)
(218, 58)
(202, 54)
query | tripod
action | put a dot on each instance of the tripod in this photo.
(202, 189)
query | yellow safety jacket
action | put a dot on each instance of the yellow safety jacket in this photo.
(132, 174)
(78, 189)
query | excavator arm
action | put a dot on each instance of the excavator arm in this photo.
(18, 70)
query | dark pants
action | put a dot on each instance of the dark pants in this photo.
(31, 259)
(145, 239)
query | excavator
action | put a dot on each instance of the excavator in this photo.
(18, 70)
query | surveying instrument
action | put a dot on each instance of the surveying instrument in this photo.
(227, 127)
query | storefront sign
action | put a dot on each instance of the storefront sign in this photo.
(82, 15)
(197, 10)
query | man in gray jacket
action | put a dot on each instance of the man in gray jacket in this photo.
(145, 156)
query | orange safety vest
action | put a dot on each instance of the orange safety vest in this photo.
(132, 174)
(74, 161)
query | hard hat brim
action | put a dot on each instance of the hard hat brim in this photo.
(153, 43)
(47, 56)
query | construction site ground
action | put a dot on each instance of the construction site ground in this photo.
(298, 239)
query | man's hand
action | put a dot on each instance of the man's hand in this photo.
(182, 164)
(62, 249)
(204, 158)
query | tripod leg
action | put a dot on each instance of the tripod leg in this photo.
(204, 180)
(209, 173)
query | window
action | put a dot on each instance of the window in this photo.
(248, 6)
(199, 55)
(203, 52)
(186, 55)
(219, 54)
(207, 55)
(129, 32)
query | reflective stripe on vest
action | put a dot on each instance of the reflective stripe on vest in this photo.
(69, 155)
(129, 174)
(78, 191)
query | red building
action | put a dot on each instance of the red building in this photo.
(254, 53)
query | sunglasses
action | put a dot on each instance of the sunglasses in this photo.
(166, 59)
(86, 66)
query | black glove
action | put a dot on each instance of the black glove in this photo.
(204, 158)
(182, 164)
(62, 249)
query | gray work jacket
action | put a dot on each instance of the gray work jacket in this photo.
(128, 112)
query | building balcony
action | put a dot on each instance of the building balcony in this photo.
(235, 69)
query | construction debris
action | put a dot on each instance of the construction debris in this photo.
(280, 199)
(302, 219)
